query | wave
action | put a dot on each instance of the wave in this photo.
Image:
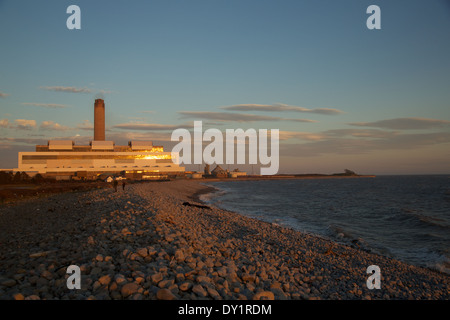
(391, 216)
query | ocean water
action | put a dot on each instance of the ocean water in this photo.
(404, 217)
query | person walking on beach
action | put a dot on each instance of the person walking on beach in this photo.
(123, 185)
(115, 185)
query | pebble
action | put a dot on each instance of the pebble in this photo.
(157, 248)
(9, 283)
(264, 295)
(129, 289)
(105, 280)
(18, 296)
(165, 294)
(199, 290)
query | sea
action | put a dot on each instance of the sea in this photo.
(403, 217)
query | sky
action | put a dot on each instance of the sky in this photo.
(343, 96)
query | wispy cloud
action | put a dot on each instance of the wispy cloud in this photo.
(280, 107)
(50, 125)
(405, 123)
(67, 89)
(361, 133)
(225, 116)
(27, 141)
(308, 136)
(362, 145)
(150, 126)
(86, 125)
(25, 124)
(235, 117)
(45, 105)
(3, 95)
(300, 120)
(21, 124)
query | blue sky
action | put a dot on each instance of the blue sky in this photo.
(343, 96)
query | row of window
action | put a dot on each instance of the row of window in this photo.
(97, 157)
(109, 167)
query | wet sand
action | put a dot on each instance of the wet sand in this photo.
(146, 243)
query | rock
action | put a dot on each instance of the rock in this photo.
(129, 289)
(99, 258)
(166, 283)
(203, 279)
(209, 262)
(143, 252)
(248, 277)
(264, 295)
(47, 275)
(139, 280)
(120, 279)
(199, 291)
(91, 240)
(170, 237)
(40, 254)
(18, 296)
(214, 294)
(33, 297)
(151, 251)
(9, 283)
(179, 255)
(95, 271)
(157, 277)
(185, 286)
(105, 280)
(222, 272)
(180, 277)
(165, 294)
(115, 295)
(19, 276)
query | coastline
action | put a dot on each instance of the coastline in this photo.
(143, 243)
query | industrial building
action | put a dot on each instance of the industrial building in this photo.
(64, 160)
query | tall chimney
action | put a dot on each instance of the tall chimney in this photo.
(99, 120)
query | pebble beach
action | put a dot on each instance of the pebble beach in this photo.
(157, 241)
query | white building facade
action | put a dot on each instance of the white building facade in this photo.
(62, 159)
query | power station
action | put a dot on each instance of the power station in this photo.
(64, 160)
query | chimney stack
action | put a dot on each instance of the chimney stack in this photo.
(99, 120)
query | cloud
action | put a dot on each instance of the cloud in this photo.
(149, 126)
(309, 136)
(300, 120)
(362, 145)
(3, 95)
(4, 123)
(236, 117)
(26, 141)
(67, 89)
(50, 125)
(225, 116)
(86, 125)
(360, 133)
(45, 105)
(25, 124)
(405, 123)
(280, 107)
(122, 138)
